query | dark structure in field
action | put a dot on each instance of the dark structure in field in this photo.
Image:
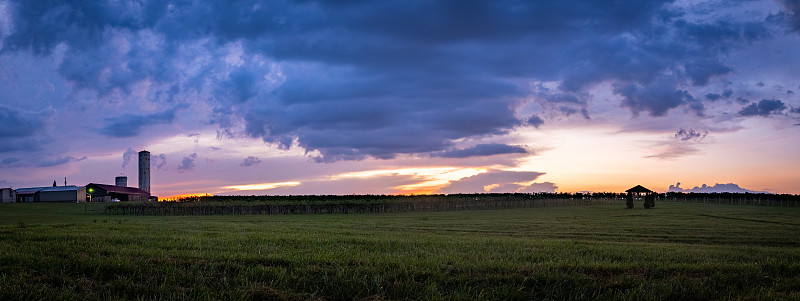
(108, 193)
(638, 192)
(144, 171)
(70, 193)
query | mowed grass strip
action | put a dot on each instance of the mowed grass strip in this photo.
(674, 252)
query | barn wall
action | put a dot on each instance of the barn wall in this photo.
(138, 198)
(28, 197)
(81, 197)
(58, 196)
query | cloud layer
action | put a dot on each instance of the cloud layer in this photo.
(376, 79)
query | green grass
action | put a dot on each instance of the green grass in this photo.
(674, 252)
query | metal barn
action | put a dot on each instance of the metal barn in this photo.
(70, 193)
(108, 193)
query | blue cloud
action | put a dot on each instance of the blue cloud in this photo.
(250, 161)
(131, 125)
(691, 134)
(656, 98)
(482, 150)
(159, 161)
(763, 108)
(10, 162)
(792, 15)
(18, 123)
(60, 161)
(535, 121)
(359, 79)
(187, 163)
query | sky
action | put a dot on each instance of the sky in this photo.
(402, 97)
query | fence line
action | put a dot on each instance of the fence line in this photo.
(172, 208)
(227, 205)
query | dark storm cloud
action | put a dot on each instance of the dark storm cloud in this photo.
(18, 123)
(60, 161)
(656, 98)
(188, 162)
(22, 130)
(250, 161)
(691, 134)
(535, 121)
(482, 150)
(713, 96)
(447, 21)
(716, 96)
(21, 145)
(727, 93)
(359, 79)
(700, 72)
(131, 125)
(763, 108)
(792, 15)
(9, 162)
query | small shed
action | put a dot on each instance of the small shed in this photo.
(639, 192)
(8, 195)
(108, 193)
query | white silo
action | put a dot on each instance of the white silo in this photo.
(144, 170)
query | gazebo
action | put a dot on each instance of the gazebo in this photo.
(638, 192)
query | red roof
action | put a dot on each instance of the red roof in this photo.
(119, 189)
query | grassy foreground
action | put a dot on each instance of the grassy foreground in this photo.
(674, 252)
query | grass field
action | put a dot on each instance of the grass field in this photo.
(677, 251)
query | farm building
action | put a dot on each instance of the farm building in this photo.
(28, 195)
(8, 195)
(69, 193)
(108, 193)
(639, 192)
